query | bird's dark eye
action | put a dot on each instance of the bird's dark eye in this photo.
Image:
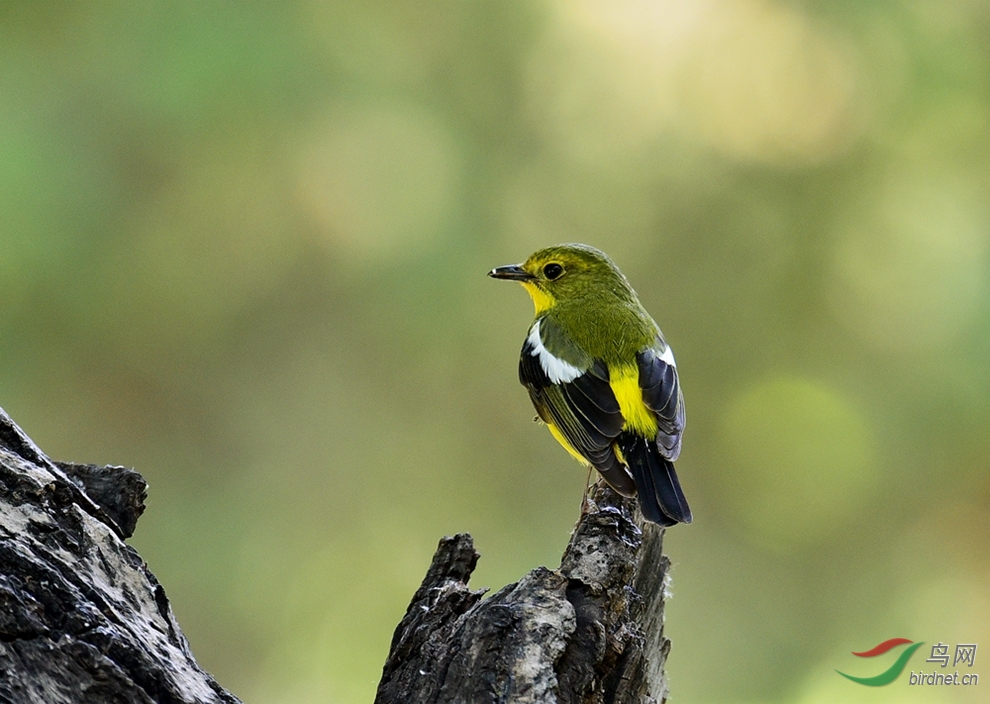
(553, 271)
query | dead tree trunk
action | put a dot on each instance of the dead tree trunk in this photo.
(589, 632)
(82, 619)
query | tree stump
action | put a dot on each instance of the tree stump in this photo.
(84, 621)
(589, 632)
(82, 618)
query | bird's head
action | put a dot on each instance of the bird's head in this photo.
(565, 272)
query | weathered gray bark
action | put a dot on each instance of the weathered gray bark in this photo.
(590, 632)
(82, 619)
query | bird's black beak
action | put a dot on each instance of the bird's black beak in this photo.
(511, 272)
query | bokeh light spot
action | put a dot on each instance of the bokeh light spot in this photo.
(911, 270)
(753, 80)
(801, 461)
(378, 182)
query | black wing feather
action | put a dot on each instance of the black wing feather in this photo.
(662, 395)
(585, 412)
(596, 402)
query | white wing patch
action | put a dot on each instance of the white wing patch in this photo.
(557, 370)
(668, 357)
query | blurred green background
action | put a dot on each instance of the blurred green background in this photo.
(243, 249)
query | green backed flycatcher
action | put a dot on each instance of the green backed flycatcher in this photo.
(601, 375)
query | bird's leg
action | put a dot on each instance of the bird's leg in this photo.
(587, 488)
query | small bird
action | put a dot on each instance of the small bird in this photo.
(601, 376)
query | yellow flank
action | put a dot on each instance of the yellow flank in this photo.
(625, 385)
(566, 445)
(618, 453)
(542, 300)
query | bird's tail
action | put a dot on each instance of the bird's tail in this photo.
(660, 495)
